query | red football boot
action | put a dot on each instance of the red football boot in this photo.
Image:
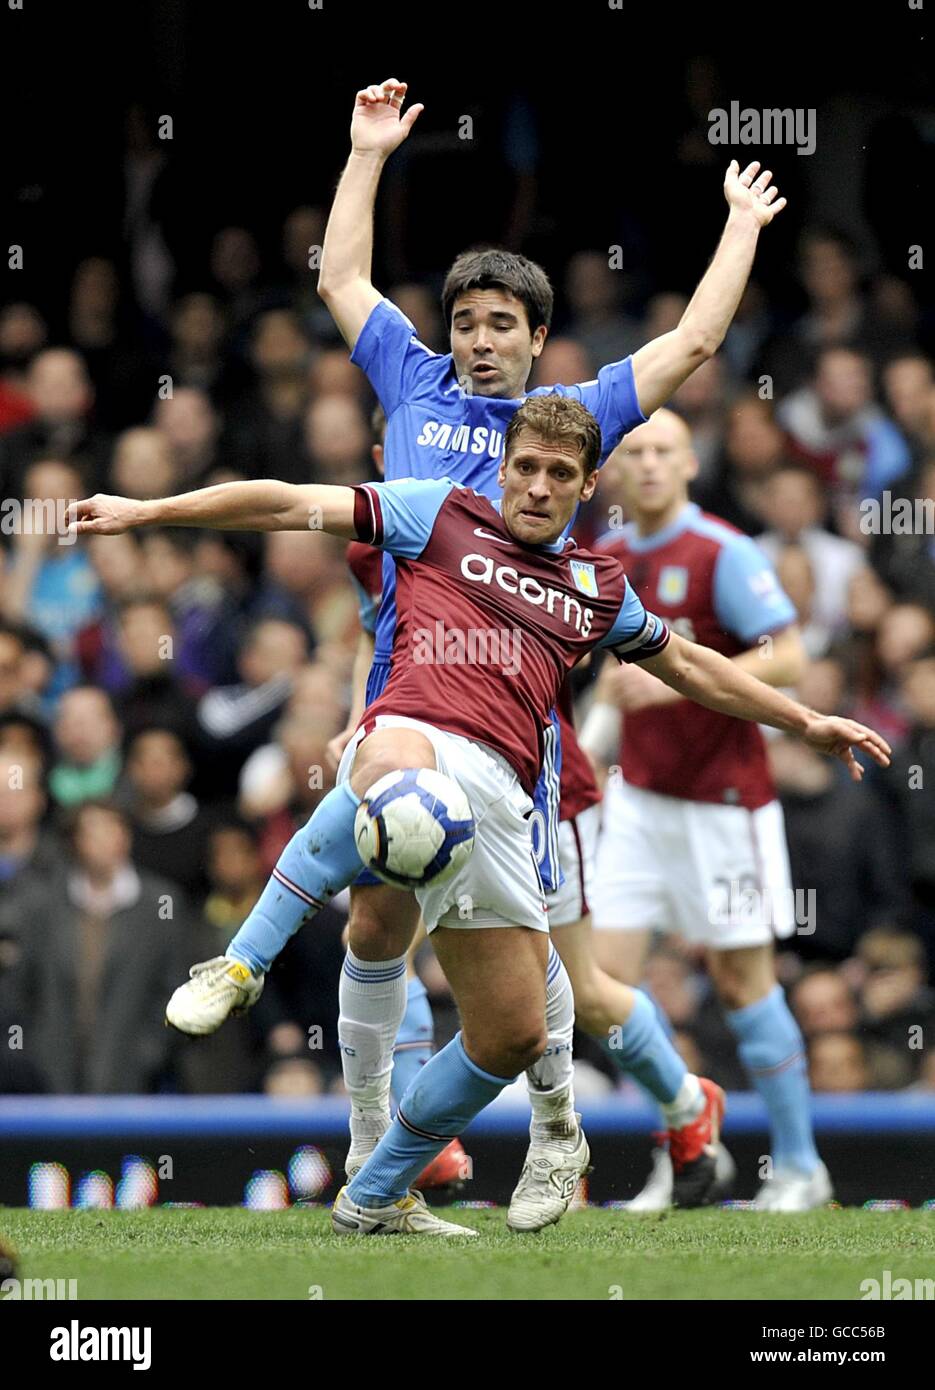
(693, 1150)
(450, 1168)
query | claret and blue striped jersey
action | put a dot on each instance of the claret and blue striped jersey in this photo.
(488, 627)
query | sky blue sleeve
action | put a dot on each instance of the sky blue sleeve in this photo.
(388, 350)
(611, 399)
(748, 598)
(399, 517)
(636, 634)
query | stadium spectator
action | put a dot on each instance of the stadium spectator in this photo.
(170, 828)
(87, 738)
(593, 292)
(235, 265)
(143, 464)
(562, 362)
(838, 1062)
(234, 720)
(192, 427)
(823, 1002)
(421, 308)
(97, 962)
(337, 442)
(196, 355)
(152, 690)
(62, 396)
(101, 327)
(792, 503)
(908, 384)
(838, 895)
(754, 448)
(836, 429)
(897, 1007)
(303, 233)
(905, 561)
(22, 334)
(907, 786)
(50, 583)
(264, 436)
(204, 615)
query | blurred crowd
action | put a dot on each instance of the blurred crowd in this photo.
(166, 697)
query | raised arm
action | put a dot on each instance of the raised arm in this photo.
(718, 683)
(661, 366)
(344, 282)
(264, 505)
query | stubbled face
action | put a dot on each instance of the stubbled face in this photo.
(653, 466)
(492, 344)
(542, 482)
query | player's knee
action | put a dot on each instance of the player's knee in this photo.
(385, 751)
(511, 1052)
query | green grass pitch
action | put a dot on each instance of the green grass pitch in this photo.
(221, 1253)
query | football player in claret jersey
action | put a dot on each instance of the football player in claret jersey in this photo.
(490, 569)
(693, 837)
(447, 414)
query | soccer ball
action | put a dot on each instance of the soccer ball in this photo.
(414, 827)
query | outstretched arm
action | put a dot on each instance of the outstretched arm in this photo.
(714, 681)
(264, 505)
(661, 366)
(344, 283)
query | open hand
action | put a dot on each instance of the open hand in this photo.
(839, 737)
(748, 192)
(376, 125)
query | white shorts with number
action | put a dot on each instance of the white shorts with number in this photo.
(499, 885)
(718, 875)
(577, 842)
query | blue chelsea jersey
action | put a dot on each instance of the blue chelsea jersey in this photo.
(435, 429)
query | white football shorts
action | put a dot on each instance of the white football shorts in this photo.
(577, 843)
(499, 886)
(718, 875)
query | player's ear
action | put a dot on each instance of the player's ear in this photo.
(501, 473)
(538, 339)
(590, 483)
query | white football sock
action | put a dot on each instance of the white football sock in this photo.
(550, 1081)
(372, 997)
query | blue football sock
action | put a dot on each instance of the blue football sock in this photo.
(772, 1050)
(641, 1048)
(441, 1102)
(415, 1039)
(318, 862)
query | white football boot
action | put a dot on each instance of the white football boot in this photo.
(795, 1192)
(550, 1176)
(407, 1217)
(656, 1195)
(217, 988)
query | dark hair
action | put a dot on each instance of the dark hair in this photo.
(500, 270)
(557, 418)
